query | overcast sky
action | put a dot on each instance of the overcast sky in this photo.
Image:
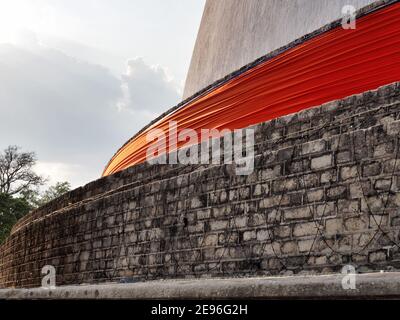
(80, 77)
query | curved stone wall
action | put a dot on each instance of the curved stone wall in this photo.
(234, 33)
(324, 193)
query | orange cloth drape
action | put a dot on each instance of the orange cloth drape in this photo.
(330, 66)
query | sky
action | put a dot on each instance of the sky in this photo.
(80, 77)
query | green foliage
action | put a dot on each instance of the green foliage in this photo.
(19, 188)
(53, 192)
(11, 209)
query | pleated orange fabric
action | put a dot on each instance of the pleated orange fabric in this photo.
(330, 66)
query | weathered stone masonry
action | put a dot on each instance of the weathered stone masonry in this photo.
(325, 192)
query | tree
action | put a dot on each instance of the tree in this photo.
(11, 209)
(19, 188)
(16, 171)
(53, 192)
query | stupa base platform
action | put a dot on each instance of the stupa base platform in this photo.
(381, 285)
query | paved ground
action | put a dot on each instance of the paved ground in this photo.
(372, 285)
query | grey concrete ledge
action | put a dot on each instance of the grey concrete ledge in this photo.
(368, 286)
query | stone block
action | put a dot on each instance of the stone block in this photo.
(203, 214)
(383, 184)
(356, 190)
(219, 225)
(289, 247)
(296, 198)
(244, 193)
(305, 229)
(349, 172)
(198, 227)
(195, 203)
(336, 192)
(376, 221)
(315, 195)
(321, 162)
(333, 226)
(343, 157)
(348, 206)
(321, 260)
(313, 147)
(298, 213)
(270, 173)
(382, 150)
(240, 222)
(233, 195)
(377, 256)
(285, 154)
(228, 238)
(282, 231)
(249, 235)
(273, 201)
(223, 197)
(355, 224)
(325, 209)
(285, 185)
(263, 235)
(361, 240)
(305, 245)
(371, 169)
(374, 204)
(260, 189)
(328, 176)
(211, 240)
(393, 128)
(309, 181)
(256, 219)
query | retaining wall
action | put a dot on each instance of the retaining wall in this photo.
(324, 193)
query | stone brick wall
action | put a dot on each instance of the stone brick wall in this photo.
(325, 192)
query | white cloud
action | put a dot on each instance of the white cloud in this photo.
(149, 88)
(58, 172)
(66, 109)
